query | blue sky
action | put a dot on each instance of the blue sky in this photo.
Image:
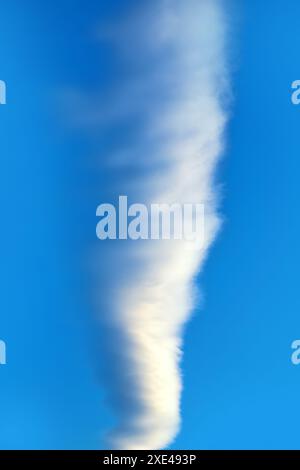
(240, 388)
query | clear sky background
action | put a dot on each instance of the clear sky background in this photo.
(240, 388)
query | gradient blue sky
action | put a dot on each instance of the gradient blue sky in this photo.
(240, 388)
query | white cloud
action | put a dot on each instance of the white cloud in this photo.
(167, 113)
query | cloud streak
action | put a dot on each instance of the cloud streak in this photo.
(163, 123)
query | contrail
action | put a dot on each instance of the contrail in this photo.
(164, 125)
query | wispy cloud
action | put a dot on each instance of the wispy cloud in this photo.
(163, 122)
